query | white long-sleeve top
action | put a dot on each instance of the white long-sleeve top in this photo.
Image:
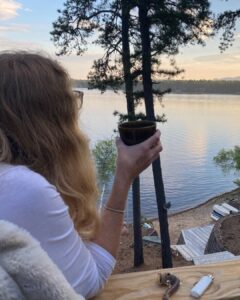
(28, 200)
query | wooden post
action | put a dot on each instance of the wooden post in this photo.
(162, 214)
(137, 230)
(148, 98)
(138, 247)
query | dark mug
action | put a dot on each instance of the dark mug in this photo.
(135, 132)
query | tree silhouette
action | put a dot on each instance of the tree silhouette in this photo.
(134, 34)
(226, 21)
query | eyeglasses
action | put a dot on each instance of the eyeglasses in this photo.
(79, 98)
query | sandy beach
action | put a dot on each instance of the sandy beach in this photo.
(197, 216)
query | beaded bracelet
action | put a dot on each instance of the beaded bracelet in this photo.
(117, 211)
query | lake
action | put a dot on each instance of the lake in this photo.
(198, 127)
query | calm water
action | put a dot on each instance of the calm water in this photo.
(198, 127)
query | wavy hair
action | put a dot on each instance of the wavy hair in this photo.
(39, 129)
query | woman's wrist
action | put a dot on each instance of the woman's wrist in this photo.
(123, 177)
(120, 188)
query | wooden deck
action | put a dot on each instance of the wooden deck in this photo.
(193, 241)
(143, 285)
(214, 258)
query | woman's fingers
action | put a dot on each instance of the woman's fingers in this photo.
(154, 153)
(153, 140)
(153, 145)
(148, 144)
(156, 149)
(134, 159)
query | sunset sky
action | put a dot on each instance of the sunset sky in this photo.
(25, 24)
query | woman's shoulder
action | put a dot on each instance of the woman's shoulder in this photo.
(27, 195)
(21, 179)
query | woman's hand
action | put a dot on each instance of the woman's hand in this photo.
(132, 160)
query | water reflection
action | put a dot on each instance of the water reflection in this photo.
(198, 127)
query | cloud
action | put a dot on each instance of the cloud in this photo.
(226, 58)
(14, 28)
(27, 9)
(9, 8)
(8, 44)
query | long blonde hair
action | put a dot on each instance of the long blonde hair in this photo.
(39, 129)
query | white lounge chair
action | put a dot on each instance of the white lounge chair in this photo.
(222, 210)
(230, 208)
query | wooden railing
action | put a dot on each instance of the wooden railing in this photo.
(144, 286)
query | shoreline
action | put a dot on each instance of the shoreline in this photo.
(172, 93)
(213, 199)
(203, 203)
(187, 218)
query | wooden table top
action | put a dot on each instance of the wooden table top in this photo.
(143, 285)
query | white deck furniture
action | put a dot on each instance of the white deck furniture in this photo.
(222, 210)
(192, 245)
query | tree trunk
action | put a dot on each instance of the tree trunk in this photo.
(126, 59)
(148, 98)
(138, 246)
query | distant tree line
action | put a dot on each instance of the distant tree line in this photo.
(187, 86)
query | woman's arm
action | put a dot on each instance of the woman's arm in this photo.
(32, 203)
(131, 161)
(29, 201)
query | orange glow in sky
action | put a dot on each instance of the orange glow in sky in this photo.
(26, 25)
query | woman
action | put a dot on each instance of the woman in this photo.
(48, 184)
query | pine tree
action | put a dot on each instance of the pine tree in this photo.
(135, 34)
(113, 25)
(226, 21)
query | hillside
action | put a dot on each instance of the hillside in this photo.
(188, 86)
